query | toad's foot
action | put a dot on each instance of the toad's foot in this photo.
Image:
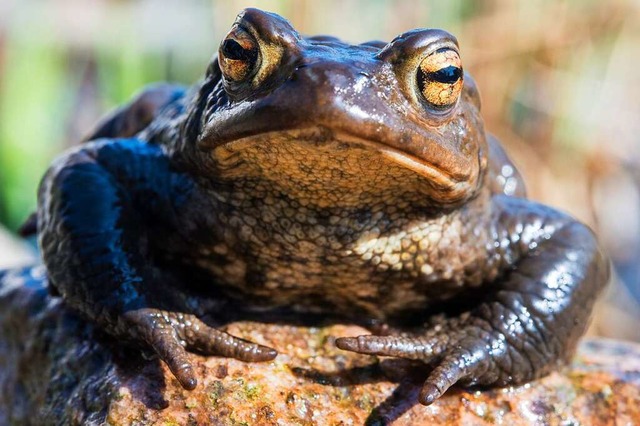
(462, 355)
(171, 334)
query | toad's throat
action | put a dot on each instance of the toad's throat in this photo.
(325, 168)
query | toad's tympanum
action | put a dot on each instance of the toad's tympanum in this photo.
(317, 177)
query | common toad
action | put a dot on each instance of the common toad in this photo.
(321, 177)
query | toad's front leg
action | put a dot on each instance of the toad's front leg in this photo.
(531, 317)
(101, 212)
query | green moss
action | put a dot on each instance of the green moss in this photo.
(365, 403)
(235, 422)
(252, 391)
(215, 391)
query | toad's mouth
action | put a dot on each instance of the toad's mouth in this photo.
(335, 166)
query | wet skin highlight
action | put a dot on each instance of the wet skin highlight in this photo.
(311, 175)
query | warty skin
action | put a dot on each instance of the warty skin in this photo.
(312, 175)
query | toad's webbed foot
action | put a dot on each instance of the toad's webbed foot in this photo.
(458, 353)
(531, 316)
(170, 334)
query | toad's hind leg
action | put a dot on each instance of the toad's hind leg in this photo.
(125, 122)
(128, 120)
(532, 316)
(107, 210)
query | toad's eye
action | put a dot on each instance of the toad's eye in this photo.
(238, 55)
(440, 78)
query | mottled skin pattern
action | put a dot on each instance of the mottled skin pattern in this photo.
(324, 177)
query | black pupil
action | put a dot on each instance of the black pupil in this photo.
(233, 50)
(448, 75)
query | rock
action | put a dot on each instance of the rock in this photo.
(14, 252)
(57, 369)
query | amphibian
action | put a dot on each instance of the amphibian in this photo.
(323, 177)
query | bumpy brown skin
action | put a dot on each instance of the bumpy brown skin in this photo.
(315, 175)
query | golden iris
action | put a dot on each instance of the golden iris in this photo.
(238, 55)
(440, 78)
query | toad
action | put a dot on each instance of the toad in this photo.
(318, 176)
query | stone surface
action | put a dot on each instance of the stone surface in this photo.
(14, 252)
(57, 369)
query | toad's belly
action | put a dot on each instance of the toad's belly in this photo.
(368, 281)
(379, 261)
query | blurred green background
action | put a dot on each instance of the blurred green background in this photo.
(559, 80)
